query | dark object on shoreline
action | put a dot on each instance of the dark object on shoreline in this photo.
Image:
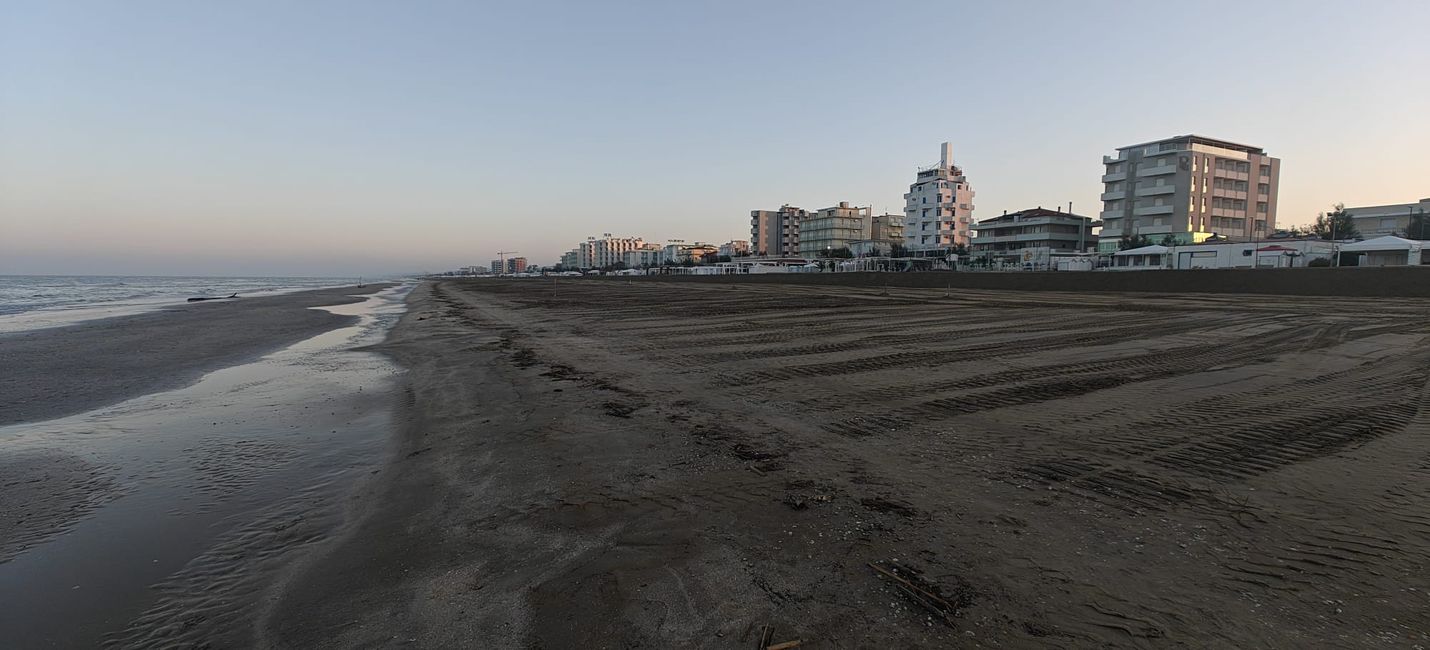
(203, 298)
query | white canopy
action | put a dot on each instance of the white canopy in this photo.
(1386, 243)
(1145, 250)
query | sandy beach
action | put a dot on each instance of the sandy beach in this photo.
(604, 463)
(651, 464)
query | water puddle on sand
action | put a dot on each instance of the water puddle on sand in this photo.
(174, 509)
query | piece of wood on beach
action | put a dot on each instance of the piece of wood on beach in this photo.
(767, 633)
(941, 608)
(786, 645)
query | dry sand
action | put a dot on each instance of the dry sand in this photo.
(612, 464)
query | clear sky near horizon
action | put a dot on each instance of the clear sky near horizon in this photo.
(364, 138)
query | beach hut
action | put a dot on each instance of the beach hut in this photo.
(1140, 259)
(1389, 251)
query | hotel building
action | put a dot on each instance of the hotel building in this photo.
(776, 232)
(1188, 187)
(938, 208)
(832, 228)
(1053, 231)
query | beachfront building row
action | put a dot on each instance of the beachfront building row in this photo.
(796, 232)
(633, 252)
(1187, 188)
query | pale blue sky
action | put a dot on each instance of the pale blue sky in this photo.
(346, 137)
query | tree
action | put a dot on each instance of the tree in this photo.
(837, 253)
(1129, 242)
(875, 252)
(1168, 240)
(1337, 225)
(1419, 227)
(898, 250)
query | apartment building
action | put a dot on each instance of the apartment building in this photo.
(831, 228)
(570, 259)
(1188, 187)
(1055, 231)
(680, 252)
(606, 250)
(1381, 220)
(646, 256)
(735, 248)
(938, 208)
(509, 265)
(888, 228)
(776, 232)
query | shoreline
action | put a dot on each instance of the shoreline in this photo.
(162, 517)
(60, 371)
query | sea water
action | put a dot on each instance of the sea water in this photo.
(35, 301)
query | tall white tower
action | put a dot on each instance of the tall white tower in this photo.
(938, 207)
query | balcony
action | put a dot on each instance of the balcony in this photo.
(1112, 160)
(1113, 196)
(1110, 214)
(1156, 190)
(1112, 178)
(1156, 170)
(1151, 210)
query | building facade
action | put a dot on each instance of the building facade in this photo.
(570, 259)
(776, 232)
(644, 257)
(1188, 188)
(735, 248)
(938, 208)
(1381, 220)
(1008, 235)
(832, 228)
(604, 251)
(887, 228)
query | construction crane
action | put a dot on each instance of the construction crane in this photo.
(501, 255)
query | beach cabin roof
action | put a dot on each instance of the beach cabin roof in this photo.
(1386, 243)
(1145, 250)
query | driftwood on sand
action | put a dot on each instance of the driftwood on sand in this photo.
(203, 298)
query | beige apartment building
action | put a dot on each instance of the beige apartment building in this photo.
(831, 228)
(1380, 220)
(1189, 187)
(776, 232)
(938, 208)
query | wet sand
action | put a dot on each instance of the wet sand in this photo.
(652, 464)
(60, 371)
(163, 517)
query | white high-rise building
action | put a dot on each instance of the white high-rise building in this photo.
(938, 207)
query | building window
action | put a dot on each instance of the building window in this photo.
(1261, 207)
